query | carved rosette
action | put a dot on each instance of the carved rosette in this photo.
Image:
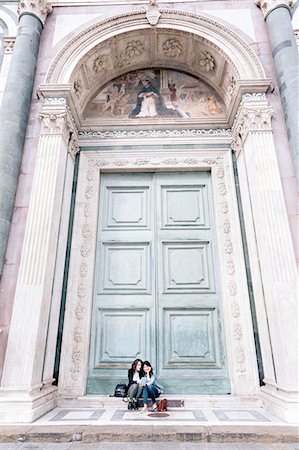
(268, 5)
(39, 8)
(228, 252)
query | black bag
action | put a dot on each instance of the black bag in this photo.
(120, 390)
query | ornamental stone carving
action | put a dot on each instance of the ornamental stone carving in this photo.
(254, 116)
(207, 61)
(268, 5)
(153, 14)
(172, 48)
(8, 45)
(100, 63)
(78, 88)
(55, 124)
(73, 147)
(39, 8)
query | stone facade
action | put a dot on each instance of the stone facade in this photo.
(82, 49)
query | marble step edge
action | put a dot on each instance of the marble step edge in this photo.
(150, 433)
(188, 401)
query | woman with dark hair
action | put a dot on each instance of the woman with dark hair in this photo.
(152, 389)
(135, 373)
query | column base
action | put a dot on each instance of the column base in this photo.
(18, 405)
(281, 403)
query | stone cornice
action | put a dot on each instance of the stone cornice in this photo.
(39, 8)
(268, 5)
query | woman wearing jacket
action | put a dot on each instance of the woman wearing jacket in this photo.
(151, 388)
(135, 373)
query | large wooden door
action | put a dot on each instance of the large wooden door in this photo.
(156, 286)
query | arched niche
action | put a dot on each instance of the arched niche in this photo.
(188, 43)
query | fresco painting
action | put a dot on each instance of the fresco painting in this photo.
(150, 93)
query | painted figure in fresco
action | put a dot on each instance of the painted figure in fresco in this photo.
(116, 99)
(150, 102)
(173, 96)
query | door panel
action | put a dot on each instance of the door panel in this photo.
(156, 287)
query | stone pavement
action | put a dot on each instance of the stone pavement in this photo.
(103, 424)
(146, 446)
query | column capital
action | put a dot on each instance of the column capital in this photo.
(56, 119)
(268, 5)
(39, 8)
(254, 115)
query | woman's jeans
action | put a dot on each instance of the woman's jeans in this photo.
(150, 392)
(134, 391)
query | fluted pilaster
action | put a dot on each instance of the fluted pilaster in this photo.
(27, 339)
(275, 254)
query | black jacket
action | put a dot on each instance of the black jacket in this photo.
(131, 374)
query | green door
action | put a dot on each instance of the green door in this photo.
(157, 293)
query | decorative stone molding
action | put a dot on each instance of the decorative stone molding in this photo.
(55, 101)
(235, 49)
(155, 133)
(39, 8)
(8, 45)
(268, 5)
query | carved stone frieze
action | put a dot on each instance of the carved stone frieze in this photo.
(156, 133)
(268, 5)
(40, 8)
(55, 101)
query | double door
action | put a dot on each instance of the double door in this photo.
(156, 291)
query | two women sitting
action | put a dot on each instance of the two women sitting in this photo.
(142, 380)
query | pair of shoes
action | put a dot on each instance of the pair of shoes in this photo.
(130, 405)
(154, 407)
(135, 404)
(144, 409)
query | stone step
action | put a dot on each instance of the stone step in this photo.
(150, 433)
(187, 401)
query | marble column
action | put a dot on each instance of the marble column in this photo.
(285, 53)
(271, 254)
(16, 103)
(26, 389)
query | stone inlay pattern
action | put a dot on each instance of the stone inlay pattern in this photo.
(240, 415)
(69, 415)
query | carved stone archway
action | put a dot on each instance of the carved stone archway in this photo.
(63, 130)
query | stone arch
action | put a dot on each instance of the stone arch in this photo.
(238, 69)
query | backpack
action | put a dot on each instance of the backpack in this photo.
(120, 390)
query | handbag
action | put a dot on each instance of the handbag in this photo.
(120, 390)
